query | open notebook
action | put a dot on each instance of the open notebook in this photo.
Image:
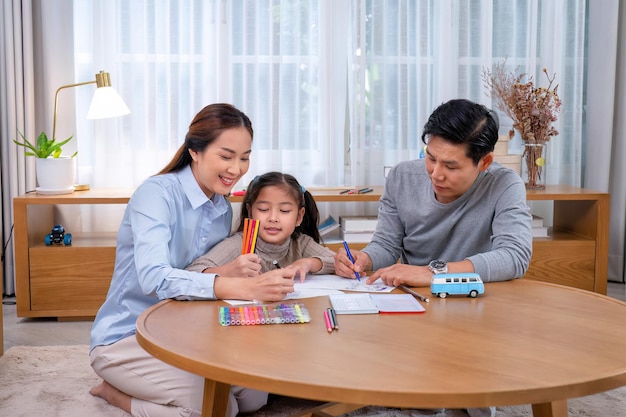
(375, 303)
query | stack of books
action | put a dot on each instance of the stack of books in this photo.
(327, 226)
(503, 157)
(538, 228)
(357, 228)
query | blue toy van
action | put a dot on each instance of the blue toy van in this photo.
(468, 284)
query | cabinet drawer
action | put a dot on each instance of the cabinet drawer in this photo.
(569, 263)
(70, 278)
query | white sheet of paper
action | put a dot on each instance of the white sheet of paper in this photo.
(335, 282)
(318, 285)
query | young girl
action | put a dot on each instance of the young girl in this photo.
(288, 236)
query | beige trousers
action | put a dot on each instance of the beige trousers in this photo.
(158, 389)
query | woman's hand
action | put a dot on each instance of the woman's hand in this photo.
(273, 285)
(270, 286)
(248, 265)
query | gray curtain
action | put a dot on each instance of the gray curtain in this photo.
(29, 44)
(16, 98)
(605, 153)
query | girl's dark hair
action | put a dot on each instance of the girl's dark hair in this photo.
(204, 129)
(304, 198)
(461, 122)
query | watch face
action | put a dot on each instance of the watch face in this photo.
(438, 266)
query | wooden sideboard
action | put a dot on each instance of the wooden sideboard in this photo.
(72, 281)
(577, 251)
(57, 280)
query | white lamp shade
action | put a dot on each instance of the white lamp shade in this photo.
(106, 102)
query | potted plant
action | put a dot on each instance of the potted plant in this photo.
(55, 173)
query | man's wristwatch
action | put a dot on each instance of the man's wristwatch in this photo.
(437, 266)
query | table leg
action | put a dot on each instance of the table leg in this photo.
(553, 409)
(215, 402)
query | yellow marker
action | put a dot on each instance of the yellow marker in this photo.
(299, 313)
(255, 233)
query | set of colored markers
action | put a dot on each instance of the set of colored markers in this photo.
(248, 315)
(330, 317)
(250, 233)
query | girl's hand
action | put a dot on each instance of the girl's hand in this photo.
(248, 265)
(303, 266)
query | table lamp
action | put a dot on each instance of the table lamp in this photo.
(105, 103)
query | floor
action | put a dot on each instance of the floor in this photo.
(44, 332)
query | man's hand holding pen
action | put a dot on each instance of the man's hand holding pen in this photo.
(345, 268)
(394, 275)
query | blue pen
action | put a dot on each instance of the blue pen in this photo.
(345, 245)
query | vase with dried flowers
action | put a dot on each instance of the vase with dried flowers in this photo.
(533, 111)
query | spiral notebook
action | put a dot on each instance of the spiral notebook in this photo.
(375, 303)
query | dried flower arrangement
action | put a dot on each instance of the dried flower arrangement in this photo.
(532, 109)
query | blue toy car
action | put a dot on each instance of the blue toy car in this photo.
(468, 284)
(58, 236)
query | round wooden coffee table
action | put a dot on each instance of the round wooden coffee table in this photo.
(522, 342)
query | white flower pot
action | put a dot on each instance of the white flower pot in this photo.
(55, 175)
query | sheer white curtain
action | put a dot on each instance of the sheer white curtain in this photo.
(335, 90)
(273, 60)
(411, 56)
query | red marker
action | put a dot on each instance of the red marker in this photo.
(329, 326)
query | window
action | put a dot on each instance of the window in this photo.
(335, 90)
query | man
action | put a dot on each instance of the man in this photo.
(456, 207)
(454, 211)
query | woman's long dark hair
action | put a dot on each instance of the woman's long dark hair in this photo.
(304, 198)
(204, 129)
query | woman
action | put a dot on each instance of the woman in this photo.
(171, 219)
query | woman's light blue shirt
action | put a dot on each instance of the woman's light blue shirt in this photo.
(168, 222)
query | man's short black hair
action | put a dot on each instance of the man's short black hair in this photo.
(462, 121)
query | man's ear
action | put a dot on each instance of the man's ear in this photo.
(485, 162)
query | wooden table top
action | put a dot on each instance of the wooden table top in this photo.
(522, 342)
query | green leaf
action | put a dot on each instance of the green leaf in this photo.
(59, 144)
(42, 140)
(45, 147)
